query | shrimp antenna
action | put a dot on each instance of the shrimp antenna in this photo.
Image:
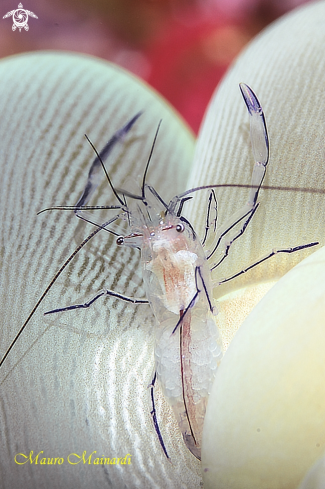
(150, 155)
(309, 190)
(105, 171)
(78, 208)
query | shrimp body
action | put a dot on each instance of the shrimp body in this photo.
(188, 347)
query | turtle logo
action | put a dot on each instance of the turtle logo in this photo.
(20, 18)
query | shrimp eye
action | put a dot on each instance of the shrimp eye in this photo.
(180, 228)
(120, 240)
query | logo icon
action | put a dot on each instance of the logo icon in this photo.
(20, 17)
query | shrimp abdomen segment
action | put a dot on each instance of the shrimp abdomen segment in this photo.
(186, 363)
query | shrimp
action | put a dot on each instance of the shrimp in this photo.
(176, 270)
(177, 275)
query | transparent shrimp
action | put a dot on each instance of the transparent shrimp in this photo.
(176, 272)
(177, 276)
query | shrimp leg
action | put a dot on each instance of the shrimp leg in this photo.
(99, 294)
(208, 223)
(154, 414)
(196, 295)
(96, 173)
(266, 257)
(234, 236)
(260, 148)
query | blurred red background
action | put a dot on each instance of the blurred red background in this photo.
(182, 48)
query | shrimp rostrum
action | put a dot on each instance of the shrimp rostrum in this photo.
(176, 271)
